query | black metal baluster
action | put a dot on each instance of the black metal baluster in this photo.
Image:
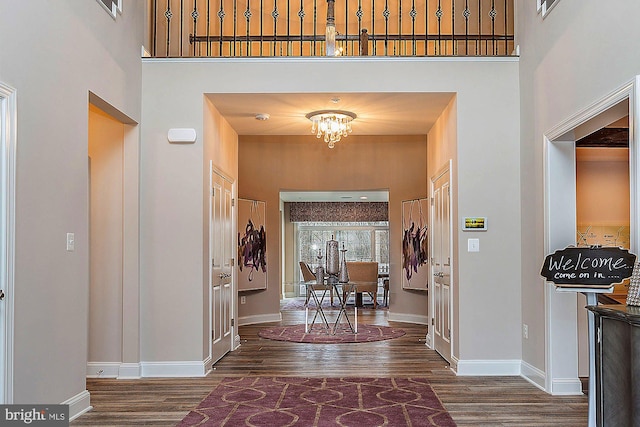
(413, 25)
(359, 15)
(275, 14)
(261, 30)
(168, 14)
(454, 47)
(400, 41)
(478, 41)
(506, 45)
(346, 28)
(221, 15)
(235, 27)
(247, 16)
(439, 14)
(373, 25)
(315, 27)
(426, 28)
(466, 15)
(492, 14)
(385, 14)
(194, 15)
(288, 27)
(181, 28)
(154, 13)
(301, 15)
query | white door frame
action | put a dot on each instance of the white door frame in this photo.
(560, 225)
(8, 141)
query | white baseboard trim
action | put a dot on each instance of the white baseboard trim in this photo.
(566, 387)
(78, 404)
(259, 318)
(103, 369)
(174, 369)
(408, 318)
(130, 371)
(488, 367)
(454, 364)
(534, 375)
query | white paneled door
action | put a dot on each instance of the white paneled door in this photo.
(441, 262)
(221, 265)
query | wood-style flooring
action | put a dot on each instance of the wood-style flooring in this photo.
(471, 401)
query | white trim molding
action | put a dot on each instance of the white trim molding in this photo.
(174, 369)
(78, 404)
(259, 318)
(418, 319)
(488, 367)
(534, 375)
(129, 371)
(8, 144)
(103, 369)
(566, 387)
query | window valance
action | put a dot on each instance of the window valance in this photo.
(338, 211)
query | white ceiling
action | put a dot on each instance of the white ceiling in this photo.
(378, 113)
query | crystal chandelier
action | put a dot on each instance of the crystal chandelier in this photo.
(331, 125)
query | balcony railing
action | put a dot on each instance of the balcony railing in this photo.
(259, 28)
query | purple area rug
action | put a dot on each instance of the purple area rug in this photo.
(305, 402)
(318, 335)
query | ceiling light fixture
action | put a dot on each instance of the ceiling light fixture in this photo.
(331, 124)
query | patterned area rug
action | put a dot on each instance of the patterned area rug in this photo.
(305, 402)
(318, 335)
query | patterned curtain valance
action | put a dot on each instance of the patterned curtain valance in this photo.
(338, 211)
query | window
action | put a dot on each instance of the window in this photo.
(363, 241)
(546, 5)
(112, 6)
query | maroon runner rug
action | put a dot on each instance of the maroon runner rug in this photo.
(306, 402)
(319, 335)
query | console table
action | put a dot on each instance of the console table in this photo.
(617, 365)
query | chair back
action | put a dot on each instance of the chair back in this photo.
(360, 271)
(307, 274)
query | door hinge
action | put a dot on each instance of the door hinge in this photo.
(433, 321)
(233, 262)
(449, 333)
(449, 190)
(433, 201)
(213, 192)
(213, 264)
(233, 322)
(233, 202)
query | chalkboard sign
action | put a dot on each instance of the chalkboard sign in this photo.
(588, 267)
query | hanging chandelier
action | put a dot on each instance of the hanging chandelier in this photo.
(331, 125)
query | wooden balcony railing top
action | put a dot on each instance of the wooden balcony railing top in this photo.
(297, 28)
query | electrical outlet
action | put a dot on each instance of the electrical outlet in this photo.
(525, 331)
(243, 300)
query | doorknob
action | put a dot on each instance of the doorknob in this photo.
(1, 295)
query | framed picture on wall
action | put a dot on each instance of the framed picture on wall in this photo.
(415, 244)
(252, 245)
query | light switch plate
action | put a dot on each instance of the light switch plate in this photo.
(71, 242)
(473, 245)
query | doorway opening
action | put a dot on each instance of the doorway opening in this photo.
(570, 221)
(113, 170)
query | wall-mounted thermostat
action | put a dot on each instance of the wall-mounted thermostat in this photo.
(474, 223)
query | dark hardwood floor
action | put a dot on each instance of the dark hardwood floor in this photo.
(471, 401)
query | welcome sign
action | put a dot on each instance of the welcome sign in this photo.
(597, 267)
